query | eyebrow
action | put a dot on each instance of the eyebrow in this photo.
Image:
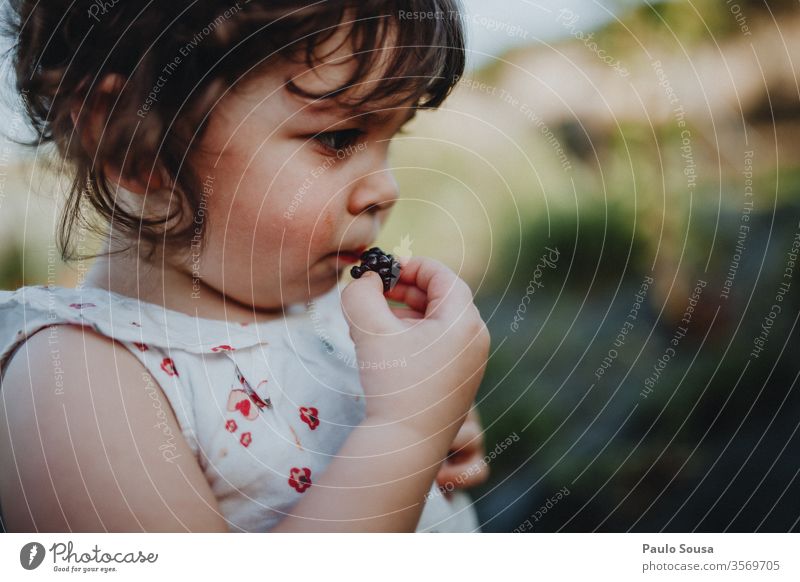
(376, 117)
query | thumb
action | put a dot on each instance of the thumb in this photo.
(365, 307)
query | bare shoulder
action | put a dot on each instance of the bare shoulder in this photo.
(84, 447)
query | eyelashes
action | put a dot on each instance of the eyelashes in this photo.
(333, 141)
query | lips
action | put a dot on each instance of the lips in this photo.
(349, 256)
(346, 257)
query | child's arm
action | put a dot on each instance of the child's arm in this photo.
(81, 453)
(466, 465)
(379, 478)
(377, 482)
(366, 489)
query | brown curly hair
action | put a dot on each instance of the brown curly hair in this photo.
(63, 49)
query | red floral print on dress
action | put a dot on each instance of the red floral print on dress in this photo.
(246, 439)
(142, 347)
(239, 400)
(223, 348)
(259, 402)
(169, 367)
(231, 426)
(300, 479)
(310, 416)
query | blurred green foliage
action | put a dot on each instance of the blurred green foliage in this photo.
(11, 267)
(709, 448)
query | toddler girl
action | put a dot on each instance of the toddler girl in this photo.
(212, 372)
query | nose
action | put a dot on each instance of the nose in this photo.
(374, 192)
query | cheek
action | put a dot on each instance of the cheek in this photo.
(304, 237)
(282, 189)
(305, 205)
(273, 231)
(251, 201)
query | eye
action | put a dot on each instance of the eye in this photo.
(337, 140)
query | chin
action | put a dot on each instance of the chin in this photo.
(323, 278)
(322, 285)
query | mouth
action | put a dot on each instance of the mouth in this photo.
(350, 256)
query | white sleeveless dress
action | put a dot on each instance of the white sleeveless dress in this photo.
(263, 407)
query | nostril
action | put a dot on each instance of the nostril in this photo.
(374, 208)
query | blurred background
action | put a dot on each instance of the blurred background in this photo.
(618, 183)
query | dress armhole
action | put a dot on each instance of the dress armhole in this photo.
(179, 398)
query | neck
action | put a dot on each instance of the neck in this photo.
(160, 282)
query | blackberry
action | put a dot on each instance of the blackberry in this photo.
(382, 263)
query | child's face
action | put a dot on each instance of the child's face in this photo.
(280, 203)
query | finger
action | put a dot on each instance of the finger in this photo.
(365, 307)
(468, 438)
(417, 298)
(405, 313)
(473, 416)
(447, 296)
(463, 475)
(410, 295)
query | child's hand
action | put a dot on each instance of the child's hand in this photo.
(465, 466)
(420, 367)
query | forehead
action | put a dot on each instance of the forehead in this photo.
(335, 63)
(334, 66)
